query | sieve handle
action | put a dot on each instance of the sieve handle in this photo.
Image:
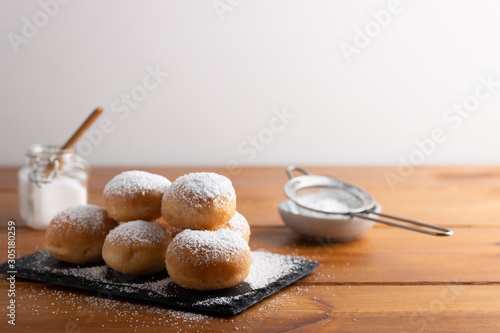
(441, 230)
(295, 168)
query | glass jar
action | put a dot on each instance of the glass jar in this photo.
(51, 181)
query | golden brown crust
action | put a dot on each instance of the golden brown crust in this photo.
(144, 206)
(71, 238)
(208, 261)
(137, 248)
(215, 276)
(195, 214)
(135, 195)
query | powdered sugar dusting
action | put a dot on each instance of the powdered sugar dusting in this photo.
(158, 286)
(321, 200)
(83, 217)
(238, 224)
(129, 183)
(91, 273)
(141, 232)
(209, 245)
(267, 267)
(204, 186)
(223, 300)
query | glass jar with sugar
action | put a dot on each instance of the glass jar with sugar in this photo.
(51, 181)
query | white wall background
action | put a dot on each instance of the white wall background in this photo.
(227, 75)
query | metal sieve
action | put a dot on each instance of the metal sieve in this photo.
(332, 196)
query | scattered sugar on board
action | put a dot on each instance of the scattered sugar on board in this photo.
(266, 267)
(129, 183)
(204, 186)
(93, 273)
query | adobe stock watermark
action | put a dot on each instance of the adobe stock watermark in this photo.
(381, 19)
(122, 107)
(423, 318)
(453, 118)
(249, 148)
(224, 7)
(11, 273)
(32, 26)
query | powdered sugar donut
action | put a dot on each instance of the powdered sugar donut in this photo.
(76, 234)
(239, 224)
(135, 195)
(208, 260)
(199, 201)
(136, 248)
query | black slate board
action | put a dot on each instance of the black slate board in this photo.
(269, 274)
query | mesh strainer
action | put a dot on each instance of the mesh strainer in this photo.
(332, 196)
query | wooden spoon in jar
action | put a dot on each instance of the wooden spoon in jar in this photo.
(74, 138)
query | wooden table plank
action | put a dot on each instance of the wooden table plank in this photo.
(393, 255)
(451, 196)
(305, 308)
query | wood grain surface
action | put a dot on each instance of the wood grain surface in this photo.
(387, 280)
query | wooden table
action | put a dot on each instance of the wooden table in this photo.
(388, 280)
